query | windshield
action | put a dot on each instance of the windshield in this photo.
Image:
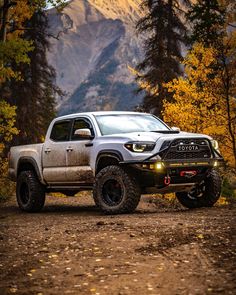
(126, 123)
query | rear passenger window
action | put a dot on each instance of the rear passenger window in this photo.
(61, 131)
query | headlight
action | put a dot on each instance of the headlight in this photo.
(140, 147)
(215, 144)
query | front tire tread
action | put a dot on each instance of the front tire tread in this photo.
(132, 191)
(210, 195)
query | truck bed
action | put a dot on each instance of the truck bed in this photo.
(31, 152)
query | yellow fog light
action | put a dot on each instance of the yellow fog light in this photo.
(158, 166)
(215, 164)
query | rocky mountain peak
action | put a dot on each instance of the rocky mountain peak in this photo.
(96, 43)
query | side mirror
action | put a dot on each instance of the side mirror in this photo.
(175, 129)
(83, 133)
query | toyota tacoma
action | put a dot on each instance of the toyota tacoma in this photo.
(118, 155)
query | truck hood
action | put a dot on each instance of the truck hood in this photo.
(154, 136)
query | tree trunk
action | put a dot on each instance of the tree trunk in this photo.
(229, 118)
(4, 21)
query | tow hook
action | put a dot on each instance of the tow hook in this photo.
(167, 180)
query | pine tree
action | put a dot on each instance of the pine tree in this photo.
(165, 30)
(207, 19)
(34, 95)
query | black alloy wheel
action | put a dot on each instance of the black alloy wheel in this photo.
(116, 191)
(112, 192)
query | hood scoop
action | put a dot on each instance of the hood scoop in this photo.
(167, 131)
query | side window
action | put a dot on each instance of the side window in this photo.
(81, 124)
(61, 131)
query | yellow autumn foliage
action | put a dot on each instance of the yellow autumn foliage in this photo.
(19, 13)
(199, 104)
(13, 49)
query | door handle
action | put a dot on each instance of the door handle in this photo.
(69, 149)
(47, 151)
(89, 144)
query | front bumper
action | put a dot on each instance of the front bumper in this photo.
(171, 175)
(174, 167)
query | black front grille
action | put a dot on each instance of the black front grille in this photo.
(187, 155)
(172, 153)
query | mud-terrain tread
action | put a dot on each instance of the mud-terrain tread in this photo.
(37, 192)
(210, 197)
(132, 191)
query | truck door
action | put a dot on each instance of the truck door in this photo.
(78, 154)
(54, 153)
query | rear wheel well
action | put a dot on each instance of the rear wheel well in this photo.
(26, 166)
(106, 160)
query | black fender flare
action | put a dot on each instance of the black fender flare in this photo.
(29, 160)
(108, 153)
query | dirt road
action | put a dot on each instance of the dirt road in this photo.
(71, 248)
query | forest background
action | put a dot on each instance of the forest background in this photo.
(188, 74)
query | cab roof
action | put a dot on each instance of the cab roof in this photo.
(100, 113)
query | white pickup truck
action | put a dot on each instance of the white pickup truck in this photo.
(118, 155)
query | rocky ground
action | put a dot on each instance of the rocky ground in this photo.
(71, 248)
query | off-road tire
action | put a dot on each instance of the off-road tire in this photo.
(130, 191)
(209, 196)
(30, 193)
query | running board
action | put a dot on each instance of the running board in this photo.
(69, 188)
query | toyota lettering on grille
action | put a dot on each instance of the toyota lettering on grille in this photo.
(187, 148)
